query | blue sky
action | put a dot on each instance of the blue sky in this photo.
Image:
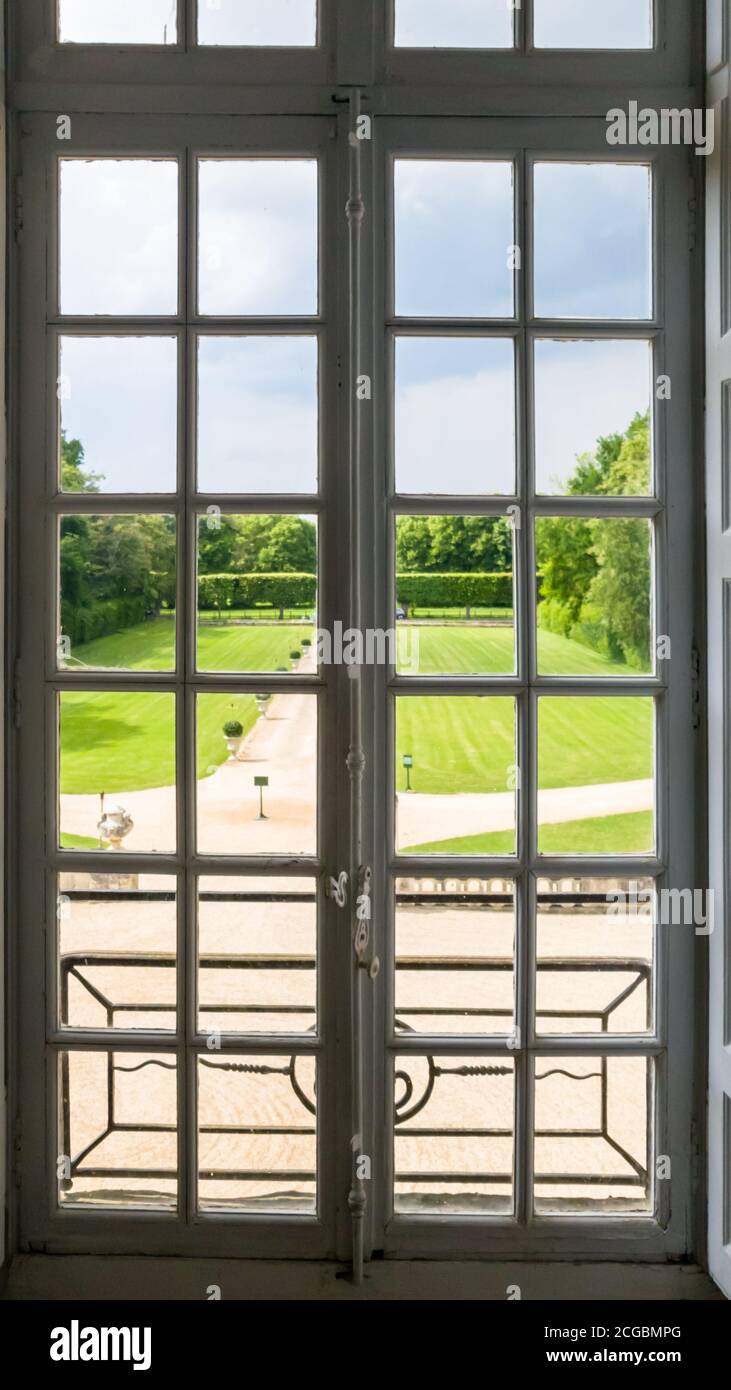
(454, 227)
(258, 257)
(122, 405)
(258, 236)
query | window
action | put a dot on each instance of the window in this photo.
(294, 889)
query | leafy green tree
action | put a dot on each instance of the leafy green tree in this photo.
(74, 476)
(217, 542)
(453, 544)
(595, 574)
(289, 546)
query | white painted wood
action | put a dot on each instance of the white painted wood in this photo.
(182, 99)
(718, 461)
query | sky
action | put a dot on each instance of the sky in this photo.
(109, 21)
(419, 23)
(258, 236)
(454, 227)
(258, 22)
(257, 421)
(118, 396)
(455, 415)
(584, 390)
(455, 397)
(119, 236)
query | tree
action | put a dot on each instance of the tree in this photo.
(595, 573)
(289, 546)
(453, 544)
(217, 541)
(74, 477)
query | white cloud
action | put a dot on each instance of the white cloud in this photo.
(454, 231)
(583, 391)
(122, 406)
(258, 414)
(119, 236)
(457, 24)
(455, 416)
(258, 236)
(126, 21)
(266, 23)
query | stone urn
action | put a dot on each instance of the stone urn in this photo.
(114, 826)
(233, 732)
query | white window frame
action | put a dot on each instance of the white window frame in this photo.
(445, 91)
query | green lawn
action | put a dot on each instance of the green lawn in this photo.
(124, 741)
(467, 650)
(467, 743)
(77, 842)
(151, 647)
(628, 834)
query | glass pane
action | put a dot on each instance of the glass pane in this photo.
(119, 236)
(257, 955)
(594, 955)
(117, 769)
(456, 774)
(595, 596)
(591, 1143)
(458, 24)
(593, 417)
(454, 955)
(261, 23)
(257, 414)
(118, 411)
(593, 248)
(595, 775)
(454, 595)
(117, 948)
(258, 236)
(117, 589)
(576, 24)
(121, 21)
(257, 1140)
(455, 415)
(454, 238)
(257, 595)
(453, 1135)
(257, 774)
(117, 1130)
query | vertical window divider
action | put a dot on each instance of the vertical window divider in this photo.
(522, 610)
(188, 24)
(186, 781)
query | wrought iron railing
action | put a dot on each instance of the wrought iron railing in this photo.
(409, 1101)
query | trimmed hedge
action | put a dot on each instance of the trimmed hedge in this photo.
(82, 625)
(216, 592)
(467, 590)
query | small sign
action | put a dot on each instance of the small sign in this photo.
(261, 781)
